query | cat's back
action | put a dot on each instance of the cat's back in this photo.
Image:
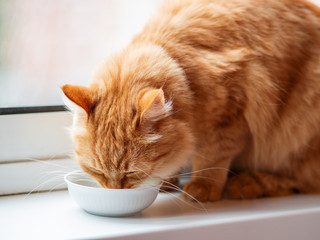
(175, 6)
(281, 82)
(221, 22)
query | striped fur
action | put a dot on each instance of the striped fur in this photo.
(240, 82)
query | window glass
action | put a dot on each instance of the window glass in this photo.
(45, 44)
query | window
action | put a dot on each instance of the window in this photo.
(43, 45)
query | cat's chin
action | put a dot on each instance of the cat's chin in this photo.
(153, 181)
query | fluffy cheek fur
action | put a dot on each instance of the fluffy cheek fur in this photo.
(81, 137)
(176, 146)
(79, 134)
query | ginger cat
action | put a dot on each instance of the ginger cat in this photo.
(233, 85)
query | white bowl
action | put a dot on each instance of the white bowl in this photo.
(108, 202)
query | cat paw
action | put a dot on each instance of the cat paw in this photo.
(170, 184)
(243, 186)
(202, 191)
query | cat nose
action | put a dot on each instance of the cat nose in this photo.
(110, 184)
(103, 184)
(115, 185)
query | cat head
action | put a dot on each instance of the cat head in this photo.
(125, 132)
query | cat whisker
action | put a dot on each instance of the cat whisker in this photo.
(52, 179)
(177, 188)
(201, 170)
(204, 177)
(188, 203)
(58, 176)
(203, 157)
(56, 187)
(54, 172)
(48, 162)
(174, 187)
(149, 176)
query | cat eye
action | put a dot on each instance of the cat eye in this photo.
(92, 170)
(130, 172)
(133, 175)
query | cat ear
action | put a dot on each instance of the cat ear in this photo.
(82, 96)
(153, 106)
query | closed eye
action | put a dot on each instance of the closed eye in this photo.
(135, 175)
(92, 170)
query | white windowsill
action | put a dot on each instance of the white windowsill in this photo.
(55, 216)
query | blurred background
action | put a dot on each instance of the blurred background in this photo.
(45, 44)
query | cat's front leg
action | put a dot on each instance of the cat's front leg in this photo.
(212, 160)
(208, 180)
(170, 184)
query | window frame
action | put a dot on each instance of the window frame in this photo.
(35, 149)
(37, 136)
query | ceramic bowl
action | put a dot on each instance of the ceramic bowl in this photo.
(108, 202)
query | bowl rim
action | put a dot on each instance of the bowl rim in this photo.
(154, 186)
